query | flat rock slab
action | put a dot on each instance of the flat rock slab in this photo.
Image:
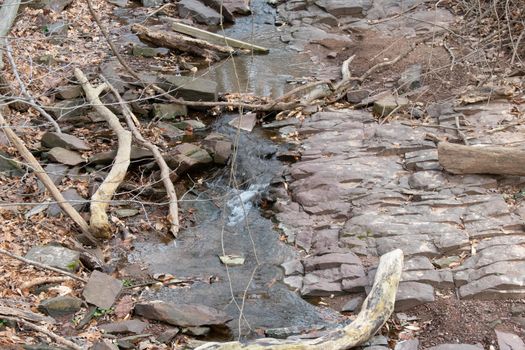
(218, 146)
(199, 12)
(60, 306)
(129, 326)
(54, 139)
(104, 345)
(56, 256)
(187, 156)
(340, 8)
(182, 315)
(456, 347)
(56, 172)
(190, 89)
(509, 341)
(330, 260)
(71, 195)
(102, 290)
(108, 156)
(65, 156)
(412, 344)
(246, 122)
(411, 294)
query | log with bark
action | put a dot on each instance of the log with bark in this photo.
(498, 160)
(376, 309)
(99, 222)
(182, 43)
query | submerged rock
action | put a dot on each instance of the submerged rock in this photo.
(60, 306)
(183, 315)
(56, 256)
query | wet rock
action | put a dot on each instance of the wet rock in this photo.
(198, 12)
(190, 89)
(388, 104)
(54, 5)
(169, 110)
(71, 195)
(352, 304)
(412, 344)
(101, 290)
(60, 306)
(68, 109)
(56, 256)
(309, 34)
(410, 78)
(65, 156)
(8, 166)
(57, 32)
(246, 122)
(104, 345)
(167, 336)
(509, 341)
(456, 347)
(146, 51)
(182, 315)
(330, 260)
(107, 157)
(152, 3)
(410, 294)
(219, 147)
(356, 96)
(69, 92)
(170, 132)
(293, 267)
(54, 139)
(191, 124)
(187, 156)
(341, 8)
(129, 326)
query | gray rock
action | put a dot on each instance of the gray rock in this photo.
(169, 110)
(218, 146)
(107, 157)
(356, 96)
(240, 7)
(456, 347)
(293, 267)
(190, 89)
(509, 341)
(183, 315)
(71, 195)
(410, 78)
(54, 5)
(330, 260)
(294, 282)
(119, 3)
(104, 345)
(189, 124)
(412, 344)
(198, 12)
(418, 263)
(446, 261)
(438, 279)
(57, 32)
(152, 3)
(315, 286)
(187, 156)
(8, 166)
(65, 156)
(56, 256)
(167, 336)
(411, 294)
(171, 132)
(246, 122)
(54, 139)
(68, 109)
(340, 8)
(355, 284)
(146, 51)
(69, 92)
(101, 290)
(110, 71)
(352, 304)
(221, 8)
(60, 306)
(56, 172)
(197, 331)
(128, 326)
(386, 105)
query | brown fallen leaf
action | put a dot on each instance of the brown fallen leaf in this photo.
(124, 306)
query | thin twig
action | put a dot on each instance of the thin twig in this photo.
(41, 265)
(43, 280)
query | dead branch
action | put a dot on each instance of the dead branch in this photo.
(42, 266)
(179, 42)
(25, 314)
(40, 329)
(43, 280)
(165, 170)
(22, 86)
(99, 222)
(46, 180)
(499, 160)
(8, 13)
(375, 311)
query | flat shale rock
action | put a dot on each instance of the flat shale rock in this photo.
(65, 156)
(69, 109)
(411, 294)
(71, 195)
(330, 260)
(60, 306)
(198, 12)
(182, 315)
(129, 326)
(353, 304)
(101, 290)
(219, 147)
(190, 89)
(54, 139)
(341, 8)
(412, 344)
(104, 345)
(509, 341)
(456, 347)
(187, 156)
(56, 256)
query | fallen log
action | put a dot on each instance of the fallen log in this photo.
(179, 42)
(99, 222)
(215, 38)
(498, 160)
(376, 309)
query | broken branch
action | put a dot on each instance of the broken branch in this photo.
(99, 222)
